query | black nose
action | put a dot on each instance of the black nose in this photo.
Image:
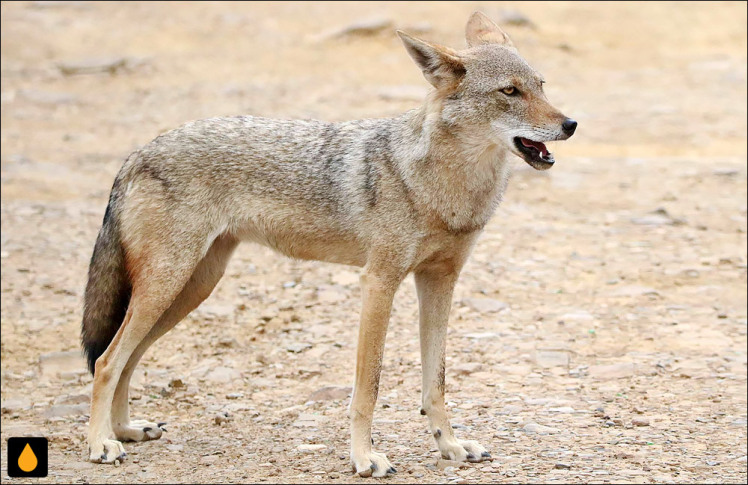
(569, 126)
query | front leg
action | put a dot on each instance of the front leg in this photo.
(435, 286)
(378, 290)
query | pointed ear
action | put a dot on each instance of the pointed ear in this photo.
(441, 65)
(482, 30)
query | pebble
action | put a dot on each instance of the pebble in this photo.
(485, 305)
(562, 466)
(14, 405)
(330, 393)
(640, 422)
(222, 375)
(94, 66)
(308, 448)
(535, 428)
(298, 347)
(465, 369)
(221, 418)
(177, 383)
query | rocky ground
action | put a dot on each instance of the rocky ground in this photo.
(598, 332)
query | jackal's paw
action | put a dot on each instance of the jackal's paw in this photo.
(107, 451)
(460, 450)
(372, 465)
(139, 430)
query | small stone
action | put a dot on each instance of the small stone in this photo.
(221, 418)
(466, 369)
(308, 448)
(640, 422)
(563, 409)
(14, 405)
(535, 428)
(299, 347)
(725, 172)
(222, 375)
(235, 395)
(330, 393)
(485, 305)
(228, 342)
(94, 66)
(652, 220)
(217, 310)
(177, 383)
(562, 466)
(633, 290)
(48, 98)
(208, 460)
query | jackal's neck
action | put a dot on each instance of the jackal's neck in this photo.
(459, 175)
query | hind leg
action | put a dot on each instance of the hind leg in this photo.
(200, 285)
(159, 272)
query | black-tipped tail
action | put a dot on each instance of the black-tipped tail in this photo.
(108, 290)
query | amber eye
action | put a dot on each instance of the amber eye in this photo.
(509, 91)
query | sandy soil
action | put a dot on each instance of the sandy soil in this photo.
(598, 332)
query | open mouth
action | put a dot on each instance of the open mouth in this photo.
(535, 153)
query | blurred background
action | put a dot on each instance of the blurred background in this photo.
(598, 331)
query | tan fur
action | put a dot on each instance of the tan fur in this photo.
(394, 196)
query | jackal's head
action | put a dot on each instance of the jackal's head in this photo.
(491, 93)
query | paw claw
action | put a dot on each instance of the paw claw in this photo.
(163, 423)
(107, 451)
(372, 464)
(138, 430)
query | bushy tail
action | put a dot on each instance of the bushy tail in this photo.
(108, 289)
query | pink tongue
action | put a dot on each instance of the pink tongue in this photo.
(535, 144)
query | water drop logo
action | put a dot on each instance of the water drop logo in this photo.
(27, 457)
(27, 461)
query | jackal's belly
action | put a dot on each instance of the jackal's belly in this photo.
(303, 241)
